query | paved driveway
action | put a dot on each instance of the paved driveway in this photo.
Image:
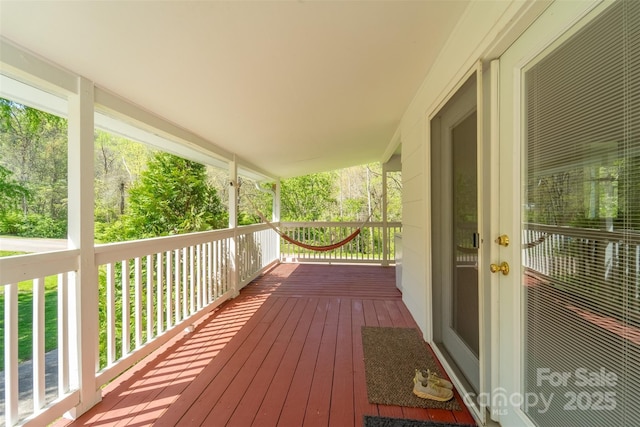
(31, 245)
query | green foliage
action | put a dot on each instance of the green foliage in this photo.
(245, 218)
(12, 223)
(172, 196)
(11, 192)
(118, 164)
(353, 207)
(308, 198)
(39, 225)
(10, 253)
(352, 194)
(252, 200)
(33, 170)
(32, 225)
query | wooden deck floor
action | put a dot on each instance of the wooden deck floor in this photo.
(286, 352)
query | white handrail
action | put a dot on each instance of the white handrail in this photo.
(19, 268)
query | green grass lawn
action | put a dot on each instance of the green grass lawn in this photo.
(25, 316)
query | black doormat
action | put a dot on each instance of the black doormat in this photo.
(375, 421)
(391, 356)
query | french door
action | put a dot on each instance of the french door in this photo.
(569, 190)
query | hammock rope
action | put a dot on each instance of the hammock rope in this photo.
(317, 248)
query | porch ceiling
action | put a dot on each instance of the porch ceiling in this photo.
(292, 87)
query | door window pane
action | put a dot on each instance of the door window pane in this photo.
(581, 226)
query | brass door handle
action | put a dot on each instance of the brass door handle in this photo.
(504, 268)
(502, 240)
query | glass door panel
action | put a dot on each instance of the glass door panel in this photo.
(464, 298)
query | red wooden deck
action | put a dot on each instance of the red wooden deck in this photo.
(286, 352)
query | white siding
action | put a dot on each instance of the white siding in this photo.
(485, 29)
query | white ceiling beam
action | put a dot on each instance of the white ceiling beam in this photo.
(20, 65)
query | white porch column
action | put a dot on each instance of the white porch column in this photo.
(275, 217)
(394, 164)
(83, 292)
(233, 224)
(385, 227)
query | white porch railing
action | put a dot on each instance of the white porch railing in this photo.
(23, 277)
(150, 290)
(566, 253)
(373, 245)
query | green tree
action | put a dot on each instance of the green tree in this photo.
(308, 198)
(11, 192)
(172, 196)
(34, 146)
(118, 164)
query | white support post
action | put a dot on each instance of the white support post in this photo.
(276, 214)
(394, 164)
(276, 202)
(234, 270)
(84, 289)
(385, 225)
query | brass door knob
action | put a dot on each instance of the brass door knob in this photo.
(503, 240)
(504, 268)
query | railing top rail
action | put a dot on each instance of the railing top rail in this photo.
(587, 233)
(111, 252)
(390, 224)
(14, 269)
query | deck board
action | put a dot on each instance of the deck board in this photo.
(295, 404)
(286, 352)
(233, 375)
(271, 407)
(195, 389)
(250, 399)
(318, 405)
(341, 405)
(362, 406)
(243, 383)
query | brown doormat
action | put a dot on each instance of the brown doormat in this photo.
(391, 356)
